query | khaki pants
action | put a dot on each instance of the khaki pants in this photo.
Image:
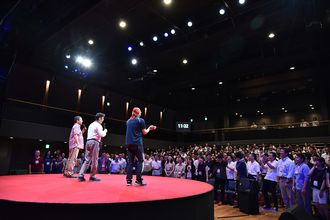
(91, 157)
(287, 194)
(72, 160)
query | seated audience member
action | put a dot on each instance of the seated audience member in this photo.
(254, 125)
(304, 123)
(315, 122)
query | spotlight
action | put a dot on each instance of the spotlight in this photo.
(87, 63)
(167, 2)
(184, 61)
(173, 31)
(141, 44)
(310, 105)
(11, 138)
(68, 56)
(236, 113)
(134, 61)
(122, 24)
(258, 111)
(191, 120)
(193, 88)
(220, 83)
(222, 11)
(241, 2)
(283, 109)
(108, 103)
(271, 35)
(155, 71)
(205, 118)
(261, 113)
(165, 34)
(189, 24)
(312, 108)
(129, 48)
(292, 68)
(79, 59)
(66, 67)
(91, 42)
(155, 38)
(240, 116)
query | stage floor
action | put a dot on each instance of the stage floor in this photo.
(54, 188)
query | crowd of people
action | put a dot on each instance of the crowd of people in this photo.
(291, 174)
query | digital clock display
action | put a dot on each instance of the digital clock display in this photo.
(183, 126)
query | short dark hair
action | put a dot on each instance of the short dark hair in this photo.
(239, 155)
(286, 150)
(76, 118)
(301, 156)
(273, 153)
(99, 115)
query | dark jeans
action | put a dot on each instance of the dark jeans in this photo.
(269, 186)
(219, 183)
(132, 152)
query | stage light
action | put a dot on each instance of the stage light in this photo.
(258, 111)
(222, 11)
(122, 24)
(312, 108)
(191, 120)
(184, 61)
(292, 68)
(167, 2)
(220, 83)
(47, 146)
(240, 116)
(40, 140)
(193, 88)
(155, 38)
(108, 104)
(129, 48)
(283, 109)
(11, 138)
(165, 34)
(241, 2)
(134, 61)
(205, 118)
(155, 71)
(261, 113)
(236, 113)
(91, 42)
(189, 24)
(79, 59)
(271, 35)
(66, 67)
(173, 31)
(87, 63)
(68, 56)
(286, 111)
(141, 44)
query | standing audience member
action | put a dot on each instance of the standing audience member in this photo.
(36, 165)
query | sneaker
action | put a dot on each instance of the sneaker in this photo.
(140, 183)
(93, 178)
(81, 179)
(266, 208)
(128, 183)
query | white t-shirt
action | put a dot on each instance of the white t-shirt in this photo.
(253, 168)
(230, 174)
(155, 165)
(271, 173)
(95, 131)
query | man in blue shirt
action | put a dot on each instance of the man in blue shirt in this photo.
(135, 128)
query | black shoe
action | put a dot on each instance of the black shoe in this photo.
(69, 176)
(93, 178)
(140, 183)
(81, 179)
(129, 183)
(235, 206)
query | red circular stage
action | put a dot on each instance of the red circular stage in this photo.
(49, 192)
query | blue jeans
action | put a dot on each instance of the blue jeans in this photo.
(133, 151)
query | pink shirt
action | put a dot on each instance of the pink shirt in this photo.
(76, 131)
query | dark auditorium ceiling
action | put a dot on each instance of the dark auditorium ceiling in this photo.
(229, 56)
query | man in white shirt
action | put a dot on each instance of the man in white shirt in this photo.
(156, 167)
(253, 167)
(147, 165)
(270, 180)
(285, 172)
(94, 135)
(122, 162)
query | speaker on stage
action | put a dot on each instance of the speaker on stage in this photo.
(296, 213)
(248, 203)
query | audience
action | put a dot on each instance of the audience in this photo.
(300, 174)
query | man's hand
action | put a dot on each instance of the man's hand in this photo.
(152, 127)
